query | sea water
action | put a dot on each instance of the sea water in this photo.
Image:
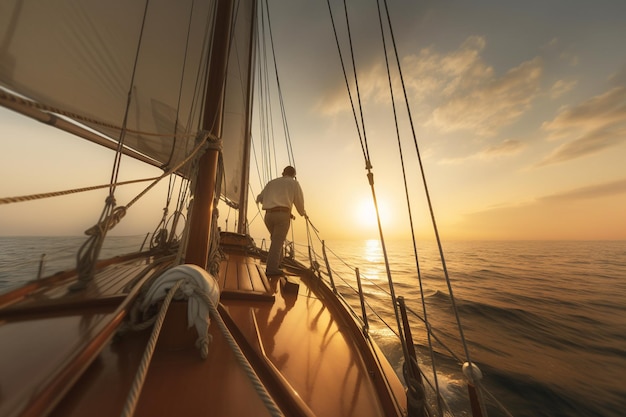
(24, 258)
(544, 320)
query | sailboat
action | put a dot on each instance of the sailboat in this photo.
(192, 325)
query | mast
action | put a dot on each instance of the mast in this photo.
(242, 225)
(204, 193)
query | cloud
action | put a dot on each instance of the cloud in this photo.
(597, 112)
(455, 91)
(505, 148)
(596, 124)
(561, 87)
(585, 145)
(464, 92)
(553, 43)
(486, 105)
(591, 212)
(431, 73)
(606, 189)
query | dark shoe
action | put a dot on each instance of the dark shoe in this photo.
(274, 273)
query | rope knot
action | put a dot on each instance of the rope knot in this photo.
(108, 223)
(110, 200)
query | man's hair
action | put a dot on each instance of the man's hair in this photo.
(289, 170)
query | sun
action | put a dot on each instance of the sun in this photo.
(366, 214)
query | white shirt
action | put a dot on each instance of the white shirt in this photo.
(282, 192)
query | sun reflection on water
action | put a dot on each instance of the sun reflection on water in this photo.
(372, 251)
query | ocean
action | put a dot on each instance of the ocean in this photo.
(544, 320)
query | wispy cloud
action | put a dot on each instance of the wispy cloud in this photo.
(596, 124)
(590, 212)
(585, 145)
(487, 106)
(505, 148)
(597, 112)
(456, 91)
(561, 87)
(430, 72)
(606, 189)
(466, 93)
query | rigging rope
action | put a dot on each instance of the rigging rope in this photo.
(283, 112)
(426, 190)
(366, 154)
(364, 145)
(429, 328)
(345, 76)
(180, 87)
(160, 235)
(10, 200)
(265, 119)
(88, 252)
(406, 193)
(370, 176)
(269, 162)
(205, 136)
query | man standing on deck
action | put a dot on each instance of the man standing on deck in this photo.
(277, 198)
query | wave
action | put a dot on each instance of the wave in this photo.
(496, 313)
(439, 295)
(532, 398)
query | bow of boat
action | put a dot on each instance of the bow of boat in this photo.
(70, 353)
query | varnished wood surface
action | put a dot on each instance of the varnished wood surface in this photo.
(48, 337)
(243, 273)
(304, 351)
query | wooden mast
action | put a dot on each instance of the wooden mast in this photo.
(204, 193)
(242, 225)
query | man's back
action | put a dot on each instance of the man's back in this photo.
(284, 191)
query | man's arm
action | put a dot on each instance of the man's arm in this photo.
(299, 199)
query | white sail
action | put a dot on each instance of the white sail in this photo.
(237, 105)
(84, 58)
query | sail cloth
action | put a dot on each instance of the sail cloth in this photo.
(237, 101)
(79, 57)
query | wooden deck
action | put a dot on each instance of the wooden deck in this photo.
(50, 335)
(305, 351)
(243, 277)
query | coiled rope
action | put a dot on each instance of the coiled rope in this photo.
(140, 377)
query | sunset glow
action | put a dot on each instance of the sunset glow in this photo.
(366, 214)
(518, 112)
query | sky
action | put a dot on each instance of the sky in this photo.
(519, 111)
